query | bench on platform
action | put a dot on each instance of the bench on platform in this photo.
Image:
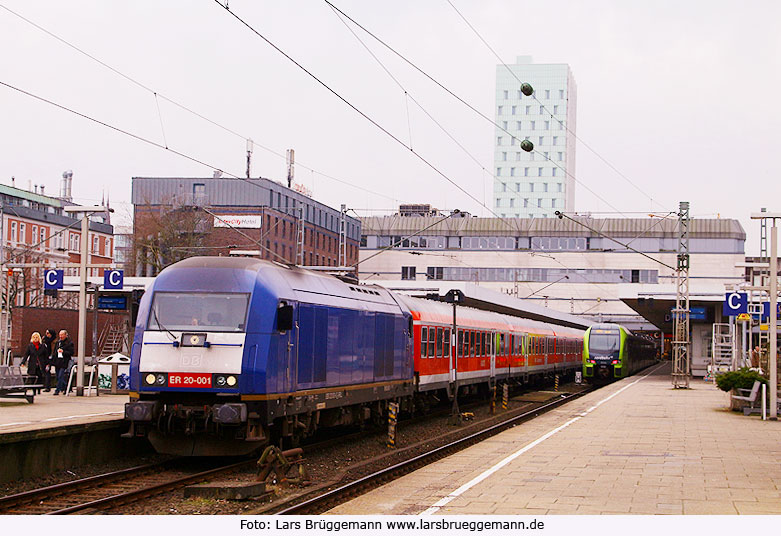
(750, 396)
(14, 384)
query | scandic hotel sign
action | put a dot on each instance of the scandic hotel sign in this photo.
(242, 221)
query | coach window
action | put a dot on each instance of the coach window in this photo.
(439, 342)
(459, 343)
(431, 342)
(423, 341)
(446, 342)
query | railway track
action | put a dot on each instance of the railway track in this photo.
(327, 497)
(112, 489)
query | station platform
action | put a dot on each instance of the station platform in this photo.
(636, 446)
(49, 411)
(61, 432)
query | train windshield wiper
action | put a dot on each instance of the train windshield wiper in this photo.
(161, 326)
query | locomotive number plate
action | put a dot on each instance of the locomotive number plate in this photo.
(189, 380)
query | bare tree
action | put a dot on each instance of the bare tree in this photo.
(165, 234)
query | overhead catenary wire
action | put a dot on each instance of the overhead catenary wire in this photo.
(566, 127)
(120, 130)
(157, 95)
(579, 182)
(603, 235)
(400, 240)
(360, 112)
(408, 97)
(455, 96)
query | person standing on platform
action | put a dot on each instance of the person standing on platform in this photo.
(49, 338)
(755, 355)
(36, 356)
(63, 352)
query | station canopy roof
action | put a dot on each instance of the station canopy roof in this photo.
(655, 302)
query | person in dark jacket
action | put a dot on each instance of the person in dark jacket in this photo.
(63, 352)
(49, 338)
(36, 357)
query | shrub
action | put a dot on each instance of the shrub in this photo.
(739, 379)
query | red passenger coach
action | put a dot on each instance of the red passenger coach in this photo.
(488, 347)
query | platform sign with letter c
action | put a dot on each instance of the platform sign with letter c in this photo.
(735, 303)
(113, 279)
(53, 279)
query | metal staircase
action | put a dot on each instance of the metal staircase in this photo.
(113, 338)
(723, 353)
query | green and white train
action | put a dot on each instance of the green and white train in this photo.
(612, 352)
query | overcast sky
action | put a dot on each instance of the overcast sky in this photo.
(681, 97)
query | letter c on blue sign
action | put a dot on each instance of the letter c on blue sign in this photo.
(52, 279)
(730, 300)
(113, 279)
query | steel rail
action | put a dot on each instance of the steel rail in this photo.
(30, 496)
(130, 496)
(315, 505)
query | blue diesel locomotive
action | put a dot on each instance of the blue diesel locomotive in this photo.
(212, 366)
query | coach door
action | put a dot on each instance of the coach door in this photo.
(287, 351)
(491, 338)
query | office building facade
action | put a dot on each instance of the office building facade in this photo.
(538, 183)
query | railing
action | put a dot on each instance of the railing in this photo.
(113, 326)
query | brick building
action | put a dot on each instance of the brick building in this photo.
(35, 229)
(176, 218)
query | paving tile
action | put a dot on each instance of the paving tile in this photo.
(649, 450)
(757, 508)
(708, 507)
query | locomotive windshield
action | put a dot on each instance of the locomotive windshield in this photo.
(604, 343)
(202, 311)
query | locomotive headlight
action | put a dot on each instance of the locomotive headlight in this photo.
(161, 379)
(220, 381)
(231, 381)
(150, 379)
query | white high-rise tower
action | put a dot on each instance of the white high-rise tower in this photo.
(538, 183)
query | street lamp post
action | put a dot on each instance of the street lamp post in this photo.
(85, 211)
